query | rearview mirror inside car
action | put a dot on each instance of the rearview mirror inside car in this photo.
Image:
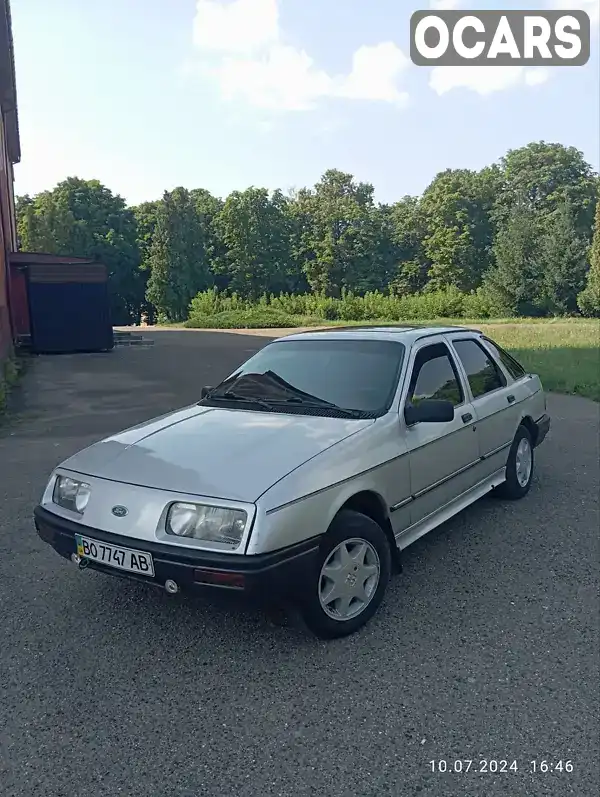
(429, 411)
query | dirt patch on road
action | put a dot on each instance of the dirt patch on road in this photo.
(263, 333)
(269, 333)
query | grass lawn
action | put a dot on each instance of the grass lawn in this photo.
(564, 352)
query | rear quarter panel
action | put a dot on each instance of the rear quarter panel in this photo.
(498, 428)
(531, 396)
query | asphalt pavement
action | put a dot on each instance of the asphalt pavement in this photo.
(486, 648)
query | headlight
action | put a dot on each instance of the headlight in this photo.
(209, 523)
(71, 494)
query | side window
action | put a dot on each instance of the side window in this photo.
(482, 372)
(514, 368)
(434, 377)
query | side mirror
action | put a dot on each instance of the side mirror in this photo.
(429, 411)
(205, 391)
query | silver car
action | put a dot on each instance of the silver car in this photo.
(305, 473)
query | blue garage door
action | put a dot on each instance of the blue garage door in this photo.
(69, 308)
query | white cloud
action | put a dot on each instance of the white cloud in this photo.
(374, 74)
(284, 79)
(537, 76)
(592, 7)
(244, 50)
(444, 5)
(244, 26)
(485, 80)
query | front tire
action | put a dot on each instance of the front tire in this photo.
(349, 577)
(519, 467)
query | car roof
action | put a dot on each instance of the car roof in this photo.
(404, 334)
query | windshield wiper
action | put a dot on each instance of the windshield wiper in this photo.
(288, 394)
(231, 395)
(271, 403)
(315, 403)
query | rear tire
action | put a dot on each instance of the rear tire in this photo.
(519, 467)
(348, 580)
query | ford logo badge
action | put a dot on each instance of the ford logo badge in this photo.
(119, 511)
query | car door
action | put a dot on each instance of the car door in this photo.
(442, 456)
(495, 402)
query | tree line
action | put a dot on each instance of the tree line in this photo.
(519, 232)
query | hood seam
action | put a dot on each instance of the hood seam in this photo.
(337, 442)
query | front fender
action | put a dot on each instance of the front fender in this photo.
(306, 517)
(303, 504)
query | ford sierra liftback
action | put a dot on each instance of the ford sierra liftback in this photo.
(306, 472)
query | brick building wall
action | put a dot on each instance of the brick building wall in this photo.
(9, 154)
(7, 240)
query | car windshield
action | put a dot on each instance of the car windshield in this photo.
(359, 376)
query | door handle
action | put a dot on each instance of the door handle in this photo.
(467, 417)
(511, 399)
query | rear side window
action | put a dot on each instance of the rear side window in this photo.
(434, 377)
(482, 372)
(514, 368)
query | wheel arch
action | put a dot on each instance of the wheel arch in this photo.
(371, 504)
(528, 422)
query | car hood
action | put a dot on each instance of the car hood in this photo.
(213, 452)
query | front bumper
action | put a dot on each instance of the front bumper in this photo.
(279, 573)
(543, 427)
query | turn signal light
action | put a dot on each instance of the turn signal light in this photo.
(220, 579)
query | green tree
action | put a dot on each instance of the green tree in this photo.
(296, 224)
(563, 258)
(24, 211)
(340, 235)
(83, 218)
(302, 236)
(457, 209)
(254, 228)
(515, 281)
(409, 232)
(208, 208)
(145, 218)
(177, 256)
(45, 223)
(589, 299)
(522, 227)
(383, 268)
(546, 175)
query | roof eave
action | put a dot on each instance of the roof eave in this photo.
(13, 141)
(8, 84)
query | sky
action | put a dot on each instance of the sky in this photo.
(147, 95)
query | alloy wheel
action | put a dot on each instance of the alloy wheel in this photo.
(349, 579)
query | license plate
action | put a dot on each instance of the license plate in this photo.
(122, 558)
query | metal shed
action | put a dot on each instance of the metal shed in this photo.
(60, 304)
